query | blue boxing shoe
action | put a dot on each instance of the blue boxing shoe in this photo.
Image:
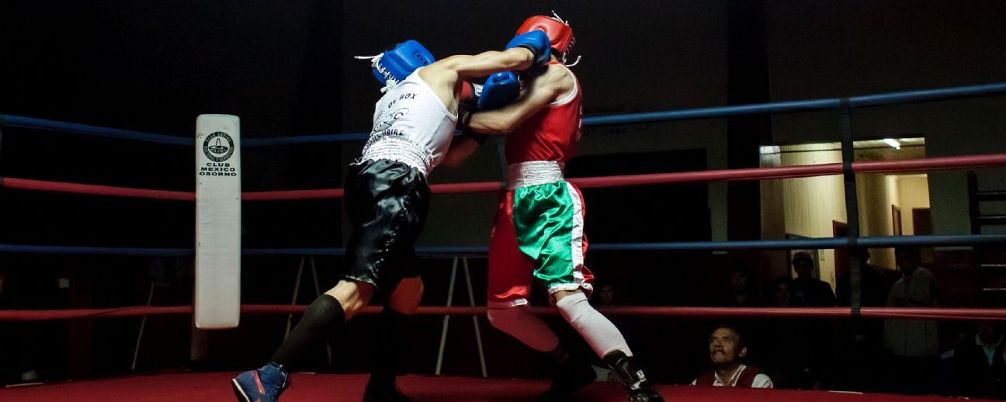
(262, 385)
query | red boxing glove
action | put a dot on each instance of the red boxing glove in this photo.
(470, 93)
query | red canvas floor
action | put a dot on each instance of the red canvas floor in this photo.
(215, 387)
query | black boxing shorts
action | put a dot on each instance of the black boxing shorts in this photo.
(386, 202)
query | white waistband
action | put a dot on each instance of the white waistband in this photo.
(532, 173)
(399, 150)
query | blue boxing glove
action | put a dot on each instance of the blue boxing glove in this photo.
(395, 64)
(499, 90)
(537, 42)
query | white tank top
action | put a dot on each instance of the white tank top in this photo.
(411, 125)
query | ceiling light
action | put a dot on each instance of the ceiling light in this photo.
(769, 149)
(893, 143)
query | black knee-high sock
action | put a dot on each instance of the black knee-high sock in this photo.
(391, 329)
(323, 317)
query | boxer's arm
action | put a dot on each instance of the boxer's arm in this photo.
(446, 77)
(543, 90)
(493, 61)
(521, 53)
(460, 67)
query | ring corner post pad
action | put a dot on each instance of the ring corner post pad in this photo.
(217, 296)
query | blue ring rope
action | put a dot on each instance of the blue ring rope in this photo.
(97, 131)
(890, 98)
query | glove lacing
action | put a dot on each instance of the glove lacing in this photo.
(375, 62)
(572, 41)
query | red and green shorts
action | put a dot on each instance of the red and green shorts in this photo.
(537, 234)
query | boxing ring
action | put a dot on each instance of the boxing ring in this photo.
(213, 386)
(205, 387)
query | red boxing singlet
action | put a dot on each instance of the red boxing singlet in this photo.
(550, 134)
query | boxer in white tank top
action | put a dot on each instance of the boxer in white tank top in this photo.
(411, 125)
(386, 198)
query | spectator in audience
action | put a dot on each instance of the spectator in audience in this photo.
(740, 292)
(781, 292)
(978, 365)
(726, 353)
(815, 354)
(808, 291)
(874, 281)
(608, 295)
(800, 349)
(860, 341)
(783, 338)
(913, 344)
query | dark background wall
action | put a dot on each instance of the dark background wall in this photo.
(286, 68)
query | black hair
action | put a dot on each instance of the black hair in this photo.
(907, 251)
(802, 255)
(736, 331)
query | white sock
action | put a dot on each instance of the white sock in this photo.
(595, 328)
(526, 327)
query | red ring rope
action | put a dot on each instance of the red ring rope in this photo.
(648, 311)
(94, 189)
(785, 172)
